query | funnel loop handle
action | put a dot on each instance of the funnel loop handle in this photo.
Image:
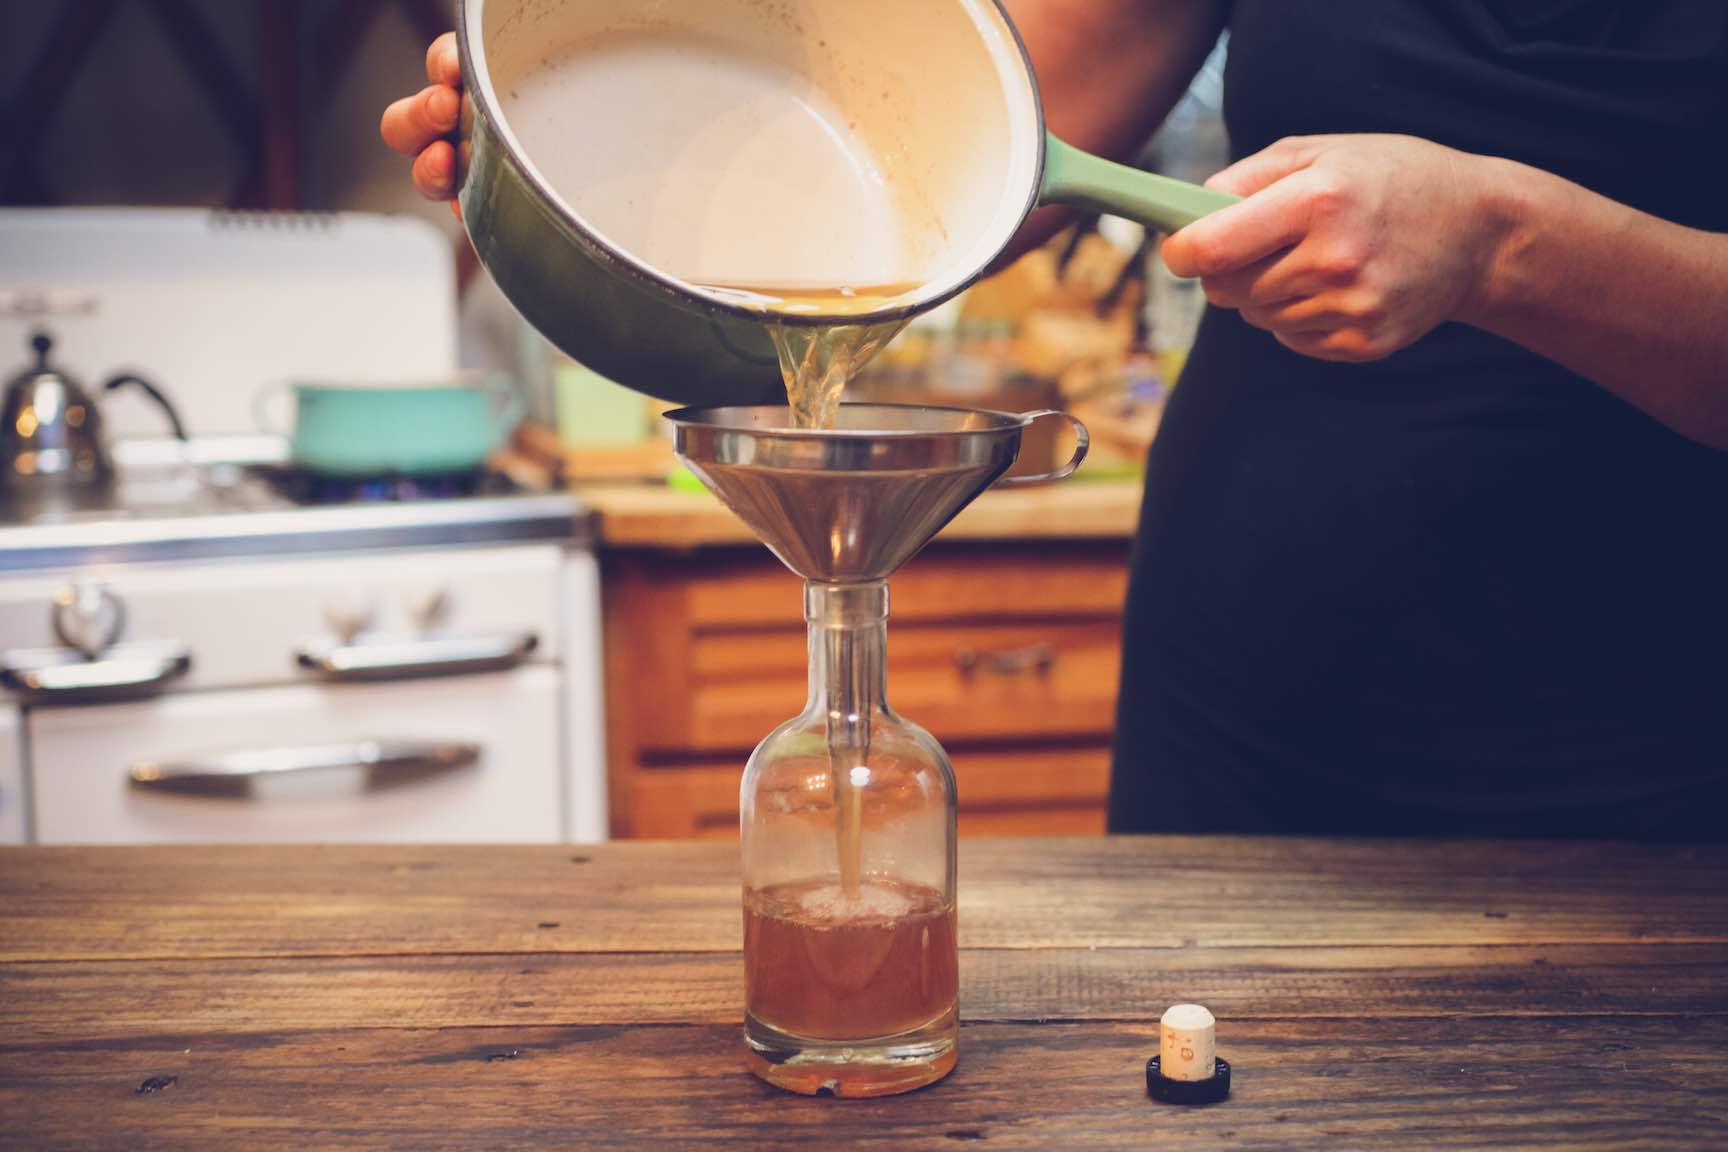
(1082, 443)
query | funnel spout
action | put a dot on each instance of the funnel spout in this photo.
(848, 682)
(848, 655)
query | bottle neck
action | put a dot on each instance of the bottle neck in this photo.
(848, 651)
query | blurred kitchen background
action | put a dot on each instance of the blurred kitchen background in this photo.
(544, 633)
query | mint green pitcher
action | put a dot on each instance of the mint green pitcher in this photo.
(627, 163)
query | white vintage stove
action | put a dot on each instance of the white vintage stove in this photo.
(230, 650)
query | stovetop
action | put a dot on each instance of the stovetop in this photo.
(242, 497)
(309, 489)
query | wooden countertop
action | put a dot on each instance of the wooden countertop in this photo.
(1369, 995)
(655, 516)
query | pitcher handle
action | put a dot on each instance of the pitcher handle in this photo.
(1082, 442)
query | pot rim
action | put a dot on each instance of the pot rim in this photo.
(692, 419)
(477, 86)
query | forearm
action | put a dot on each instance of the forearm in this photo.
(1109, 71)
(1636, 304)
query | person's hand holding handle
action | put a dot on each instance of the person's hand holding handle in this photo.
(421, 125)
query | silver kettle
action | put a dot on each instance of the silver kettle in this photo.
(51, 439)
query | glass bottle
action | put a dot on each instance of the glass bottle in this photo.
(851, 960)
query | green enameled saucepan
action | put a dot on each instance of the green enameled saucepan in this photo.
(626, 163)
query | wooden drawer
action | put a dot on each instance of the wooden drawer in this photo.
(1008, 653)
(710, 652)
(732, 589)
(963, 682)
(1023, 792)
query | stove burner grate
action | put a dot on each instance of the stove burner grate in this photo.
(303, 487)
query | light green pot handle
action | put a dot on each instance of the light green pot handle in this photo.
(1082, 180)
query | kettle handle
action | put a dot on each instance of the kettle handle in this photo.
(175, 424)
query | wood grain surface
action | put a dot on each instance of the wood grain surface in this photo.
(1369, 995)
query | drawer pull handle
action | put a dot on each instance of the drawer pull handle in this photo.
(407, 657)
(1035, 659)
(125, 672)
(387, 763)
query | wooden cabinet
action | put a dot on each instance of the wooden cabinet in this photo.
(1008, 653)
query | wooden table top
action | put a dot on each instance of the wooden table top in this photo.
(1369, 995)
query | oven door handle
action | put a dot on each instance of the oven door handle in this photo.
(408, 657)
(127, 672)
(387, 763)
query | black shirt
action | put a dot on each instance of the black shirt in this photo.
(1460, 590)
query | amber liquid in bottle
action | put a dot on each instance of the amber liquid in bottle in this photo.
(831, 966)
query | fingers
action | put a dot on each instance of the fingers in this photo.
(1234, 237)
(1267, 166)
(1291, 274)
(1273, 216)
(1246, 285)
(1296, 316)
(443, 66)
(413, 122)
(1351, 309)
(435, 171)
(1352, 327)
(1343, 345)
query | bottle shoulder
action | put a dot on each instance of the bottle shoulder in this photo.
(794, 761)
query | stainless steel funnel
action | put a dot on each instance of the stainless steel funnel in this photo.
(852, 504)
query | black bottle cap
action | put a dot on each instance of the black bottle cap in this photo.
(1161, 1087)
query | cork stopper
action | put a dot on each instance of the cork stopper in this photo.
(1188, 1043)
(1187, 1069)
